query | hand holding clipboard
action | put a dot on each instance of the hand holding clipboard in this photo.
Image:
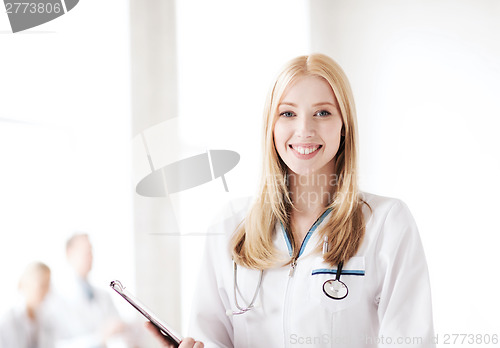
(163, 328)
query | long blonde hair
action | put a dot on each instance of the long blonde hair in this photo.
(252, 243)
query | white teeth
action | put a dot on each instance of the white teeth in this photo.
(305, 150)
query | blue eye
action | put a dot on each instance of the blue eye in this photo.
(287, 114)
(323, 113)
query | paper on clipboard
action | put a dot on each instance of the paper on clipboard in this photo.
(163, 327)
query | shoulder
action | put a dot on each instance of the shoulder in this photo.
(380, 203)
(11, 318)
(101, 293)
(8, 326)
(230, 216)
(382, 208)
(222, 228)
(389, 223)
(5, 318)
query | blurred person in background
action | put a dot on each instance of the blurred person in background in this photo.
(84, 315)
(24, 326)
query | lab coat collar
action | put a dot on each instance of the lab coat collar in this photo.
(283, 239)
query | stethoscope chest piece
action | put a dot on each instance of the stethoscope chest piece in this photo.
(335, 289)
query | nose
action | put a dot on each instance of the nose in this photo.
(305, 127)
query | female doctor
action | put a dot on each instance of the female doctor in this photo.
(312, 261)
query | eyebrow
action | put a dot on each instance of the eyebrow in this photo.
(315, 105)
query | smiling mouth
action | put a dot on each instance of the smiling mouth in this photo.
(305, 150)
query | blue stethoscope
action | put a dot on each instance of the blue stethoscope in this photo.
(333, 288)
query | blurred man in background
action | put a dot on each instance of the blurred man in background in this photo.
(84, 316)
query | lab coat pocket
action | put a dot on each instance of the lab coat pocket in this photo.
(322, 275)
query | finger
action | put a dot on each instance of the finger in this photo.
(151, 328)
(157, 334)
(187, 342)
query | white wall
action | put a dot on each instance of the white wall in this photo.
(426, 78)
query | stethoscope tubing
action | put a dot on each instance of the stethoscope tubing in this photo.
(237, 290)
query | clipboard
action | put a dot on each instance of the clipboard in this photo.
(165, 329)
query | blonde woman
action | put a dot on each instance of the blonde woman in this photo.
(313, 261)
(26, 324)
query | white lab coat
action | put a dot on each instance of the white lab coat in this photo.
(78, 321)
(388, 304)
(17, 330)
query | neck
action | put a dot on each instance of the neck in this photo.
(31, 311)
(310, 194)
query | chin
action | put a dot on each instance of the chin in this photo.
(302, 171)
